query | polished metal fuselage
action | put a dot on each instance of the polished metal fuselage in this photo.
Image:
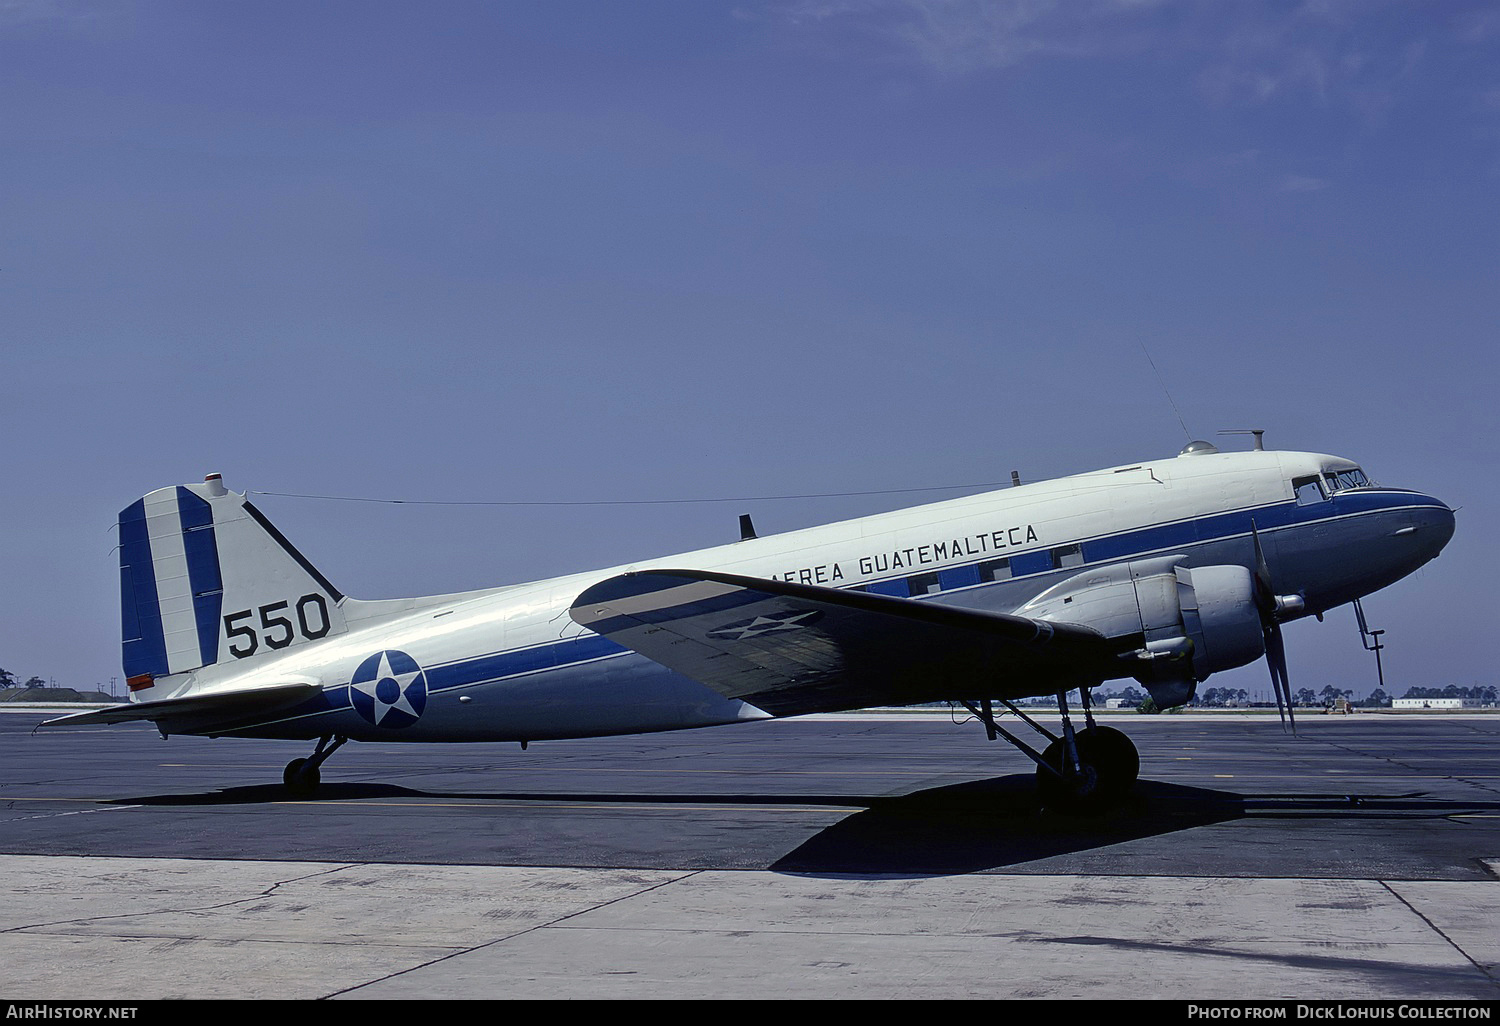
(509, 664)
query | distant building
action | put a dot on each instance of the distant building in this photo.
(1436, 703)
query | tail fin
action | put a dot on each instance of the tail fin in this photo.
(205, 579)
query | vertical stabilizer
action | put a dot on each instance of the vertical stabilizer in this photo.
(206, 579)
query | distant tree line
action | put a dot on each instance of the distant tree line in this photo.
(1228, 698)
(8, 680)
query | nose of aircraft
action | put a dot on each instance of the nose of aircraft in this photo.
(1428, 526)
(1435, 525)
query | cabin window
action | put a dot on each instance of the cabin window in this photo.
(994, 570)
(1308, 489)
(1066, 556)
(922, 584)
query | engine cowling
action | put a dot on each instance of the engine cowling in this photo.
(1192, 621)
(1218, 614)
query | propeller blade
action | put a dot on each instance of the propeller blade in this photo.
(1275, 682)
(1276, 659)
(1265, 594)
(1266, 605)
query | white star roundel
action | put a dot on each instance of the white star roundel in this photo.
(389, 689)
(774, 623)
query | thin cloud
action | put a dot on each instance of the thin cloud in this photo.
(1358, 55)
(956, 37)
(1301, 183)
(15, 13)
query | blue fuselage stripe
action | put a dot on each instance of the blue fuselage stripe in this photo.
(1129, 544)
(1219, 526)
(499, 665)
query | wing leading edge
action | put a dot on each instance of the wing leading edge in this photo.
(795, 648)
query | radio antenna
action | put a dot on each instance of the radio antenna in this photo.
(1168, 394)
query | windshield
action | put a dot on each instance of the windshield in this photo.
(1343, 480)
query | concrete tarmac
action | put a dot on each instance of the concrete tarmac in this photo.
(1356, 862)
(133, 929)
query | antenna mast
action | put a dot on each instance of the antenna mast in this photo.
(1259, 433)
(1160, 381)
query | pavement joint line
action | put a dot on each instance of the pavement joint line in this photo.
(1484, 970)
(264, 893)
(74, 812)
(493, 942)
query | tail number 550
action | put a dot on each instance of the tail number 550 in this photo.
(276, 628)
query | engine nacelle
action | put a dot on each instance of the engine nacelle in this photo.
(1193, 621)
(1218, 614)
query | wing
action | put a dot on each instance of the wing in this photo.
(197, 713)
(796, 648)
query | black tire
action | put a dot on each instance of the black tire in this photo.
(1109, 766)
(1115, 754)
(301, 779)
(1060, 791)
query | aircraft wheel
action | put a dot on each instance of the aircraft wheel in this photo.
(1116, 753)
(300, 778)
(1067, 793)
(1108, 763)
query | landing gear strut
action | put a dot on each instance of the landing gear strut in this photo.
(301, 776)
(1087, 771)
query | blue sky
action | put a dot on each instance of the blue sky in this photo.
(578, 251)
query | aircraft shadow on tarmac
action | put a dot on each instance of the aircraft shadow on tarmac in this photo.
(954, 829)
(994, 823)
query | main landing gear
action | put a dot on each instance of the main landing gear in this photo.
(1087, 771)
(301, 776)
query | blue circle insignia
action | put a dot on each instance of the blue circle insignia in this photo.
(389, 689)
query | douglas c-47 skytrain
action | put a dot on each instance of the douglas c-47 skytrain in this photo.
(1164, 571)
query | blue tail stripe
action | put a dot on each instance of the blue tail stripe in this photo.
(130, 624)
(202, 551)
(144, 643)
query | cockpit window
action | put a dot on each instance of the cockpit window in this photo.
(1343, 480)
(1308, 489)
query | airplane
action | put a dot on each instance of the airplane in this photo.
(1164, 572)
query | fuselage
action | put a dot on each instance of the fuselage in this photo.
(507, 664)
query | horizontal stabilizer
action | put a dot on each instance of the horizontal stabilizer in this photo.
(199, 711)
(796, 648)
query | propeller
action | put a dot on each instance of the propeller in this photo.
(1269, 606)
